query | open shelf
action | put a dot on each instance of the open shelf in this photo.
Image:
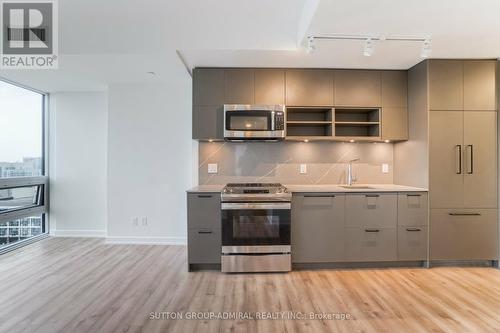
(357, 123)
(361, 115)
(358, 130)
(309, 129)
(308, 114)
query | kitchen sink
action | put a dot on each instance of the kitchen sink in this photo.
(358, 187)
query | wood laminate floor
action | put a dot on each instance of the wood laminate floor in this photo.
(85, 285)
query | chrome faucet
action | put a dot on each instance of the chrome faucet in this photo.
(350, 178)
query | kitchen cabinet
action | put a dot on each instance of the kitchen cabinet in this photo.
(309, 87)
(412, 243)
(413, 209)
(446, 85)
(269, 86)
(208, 87)
(239, 86)
(371, 210)
(204, 228)
(394, 105)
(462, 151)
(371, 244)
(479, 85)
(358, 88)
(317, 227)
(463, 234)
(413, 219)
(208, 122)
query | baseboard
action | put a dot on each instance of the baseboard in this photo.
(79, 233)
(147, 240)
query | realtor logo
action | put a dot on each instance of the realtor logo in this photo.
(29, 34)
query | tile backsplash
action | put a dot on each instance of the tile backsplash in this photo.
(280, 162)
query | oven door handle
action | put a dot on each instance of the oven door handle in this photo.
(255, 205)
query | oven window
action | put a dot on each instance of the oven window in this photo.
(256, 227)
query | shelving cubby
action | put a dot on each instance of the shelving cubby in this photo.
(304, 122)
(359, 123)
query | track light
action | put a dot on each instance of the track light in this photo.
(310, 44)
(426, 49)
(369, 47)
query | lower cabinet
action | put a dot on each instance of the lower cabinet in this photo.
(204, 246)
(412, 243)
(463, 234)
(318, 227)
(371, 244)
(413, 221)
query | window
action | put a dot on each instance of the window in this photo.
(22, 159)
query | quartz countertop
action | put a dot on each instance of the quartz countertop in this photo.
(333, 188)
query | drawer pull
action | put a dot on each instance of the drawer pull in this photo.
(204, 195)
(205, 231)
(372, 195)
(372, 230)
(413, 229)
(464, 214)
(413, 195)
(319, 196)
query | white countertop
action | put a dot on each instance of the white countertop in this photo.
(334, 188)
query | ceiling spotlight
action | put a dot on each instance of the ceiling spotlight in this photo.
(426, 49)
(369, 47)
(310, 44)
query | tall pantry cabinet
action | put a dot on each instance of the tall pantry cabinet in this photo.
(462, 153)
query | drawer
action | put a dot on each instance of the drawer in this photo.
(413, 209)
(204, 246)
(463, 234)
(371, 210)
(370, 244)
(412, 242)
(203, 210)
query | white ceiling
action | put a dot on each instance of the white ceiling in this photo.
(118, 41)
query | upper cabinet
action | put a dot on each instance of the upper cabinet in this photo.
(394, 105)
(269, 86)
(357, 88)
(446, 85)
(239, 86)
(208, 86)
(479, 85)
(309, 87)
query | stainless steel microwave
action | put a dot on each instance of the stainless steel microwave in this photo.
(254, 122)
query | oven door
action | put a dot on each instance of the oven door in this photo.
(255, 120)
(256, 223)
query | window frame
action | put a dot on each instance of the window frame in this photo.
(15, 182)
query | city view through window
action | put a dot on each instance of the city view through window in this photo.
(21, 155)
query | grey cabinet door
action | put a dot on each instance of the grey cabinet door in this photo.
(239, 86)
(446, 164)
(394, 123)
(480, 159)
(413, 209)
(371, 210)
(204, 210)
(309, 87)
(357, 88)
(394, 88)
(457, 236)
(480, 85)
(208, 122)
(369, 244)
(269, 86)
(208, 86)
(412, 243)
(446, 85)
(317, 228)
(204, 246)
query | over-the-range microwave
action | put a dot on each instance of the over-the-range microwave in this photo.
(244, 122)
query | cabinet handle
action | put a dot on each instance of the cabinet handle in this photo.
(413, 229)
(372, 230)
(464, 214)
(458, 157)
(470, 159)
(204, 231)
(319, 196)
(204, 195)
(413, 195)
(372, 195)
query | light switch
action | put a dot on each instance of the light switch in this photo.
(303, 168)
(212, 168)
(385, 168)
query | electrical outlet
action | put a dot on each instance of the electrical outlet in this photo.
(144, 221)
(303, 168)
(135, 221)
(212, 168)
(385, 168)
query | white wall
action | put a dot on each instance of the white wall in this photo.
(150, 160)
(77, 163)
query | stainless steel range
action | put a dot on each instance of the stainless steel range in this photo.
(256, 221)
